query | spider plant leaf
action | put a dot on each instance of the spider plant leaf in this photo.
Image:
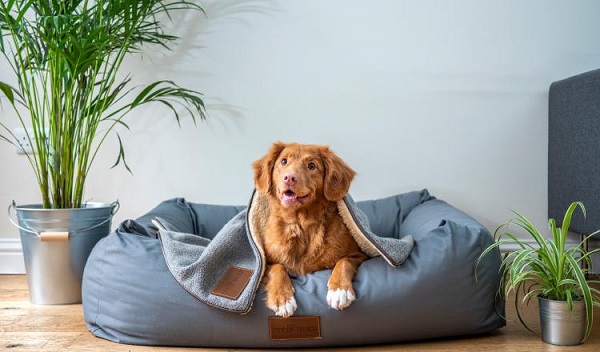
(531, 294)
(493, 247)
(547, 269)
(586, 238)
(567, 221)
(521, 259)
(595, 292)
(554, 230)
(515, 240)
(518, 309)
(587, 295)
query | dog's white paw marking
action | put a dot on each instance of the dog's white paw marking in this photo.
(287, 309)
(339, 298)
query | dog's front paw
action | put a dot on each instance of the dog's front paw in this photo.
(282, 307)
(340, 298)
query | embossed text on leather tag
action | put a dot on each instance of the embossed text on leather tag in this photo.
(295, 328)
(233, 282)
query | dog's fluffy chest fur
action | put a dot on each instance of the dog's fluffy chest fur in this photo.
(306, 241)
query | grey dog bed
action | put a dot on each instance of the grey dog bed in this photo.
(131, 296)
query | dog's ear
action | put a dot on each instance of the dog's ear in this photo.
(338, 175)
(263, 167)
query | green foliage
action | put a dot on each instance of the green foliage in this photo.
(66, 57)
(547, 268)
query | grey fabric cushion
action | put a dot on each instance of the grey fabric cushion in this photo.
(573, 150)
(199, 263)
(129, 296)
(177, 212)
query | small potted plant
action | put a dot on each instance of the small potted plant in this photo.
(69, 95)
(545, 268)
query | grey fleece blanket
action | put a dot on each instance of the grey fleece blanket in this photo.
(225, 272)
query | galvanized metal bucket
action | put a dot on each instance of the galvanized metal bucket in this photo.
(560, 325)
(56, 244)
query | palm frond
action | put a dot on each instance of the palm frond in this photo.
(66, 56)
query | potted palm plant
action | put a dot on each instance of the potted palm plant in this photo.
(69, 97)
(555, 274)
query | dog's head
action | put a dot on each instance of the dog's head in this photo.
(299, 174)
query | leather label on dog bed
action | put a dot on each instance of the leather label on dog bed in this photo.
(295, 328)
(233, 282)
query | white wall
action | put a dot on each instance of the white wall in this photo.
(449, 96)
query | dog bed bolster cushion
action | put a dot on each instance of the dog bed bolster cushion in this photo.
(131, 296)
(199, 264)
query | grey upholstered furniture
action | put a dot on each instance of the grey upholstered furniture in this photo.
(129, 295)
(574, 149)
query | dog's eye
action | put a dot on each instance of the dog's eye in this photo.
(283, 161)
(311, 166)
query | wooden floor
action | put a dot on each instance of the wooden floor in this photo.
(27, 327)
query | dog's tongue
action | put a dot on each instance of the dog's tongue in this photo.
(289, 195)
(289, 198)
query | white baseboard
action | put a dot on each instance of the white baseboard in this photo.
(571, 242)
(11, 257)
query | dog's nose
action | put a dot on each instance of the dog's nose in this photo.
(290, 178)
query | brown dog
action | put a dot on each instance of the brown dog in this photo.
(304, 232)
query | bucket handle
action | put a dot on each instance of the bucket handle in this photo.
(13, 206)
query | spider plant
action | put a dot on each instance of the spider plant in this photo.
(546, 267)
(70, 95)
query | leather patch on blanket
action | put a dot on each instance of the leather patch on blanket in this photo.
(294, 328)
(233, 282)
